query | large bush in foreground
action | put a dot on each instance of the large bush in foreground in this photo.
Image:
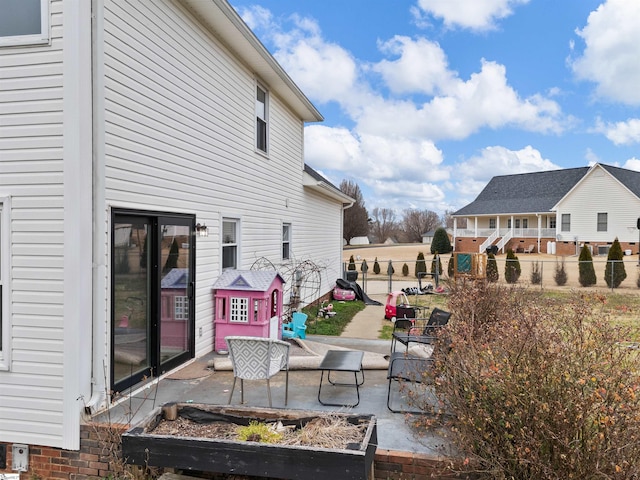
(614, 271)
(535, 389)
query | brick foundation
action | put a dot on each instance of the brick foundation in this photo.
(99, 457)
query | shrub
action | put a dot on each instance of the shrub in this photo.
(561, 273)
(421, 265)
(376, 266)
(364, 268)
(441, 242)
(405, 270)
(352, 263)
(586, 272)
(492, 268)
(436, 264)
(390, 269)
(512, 269)
(536, 275)
(614, 272)
(450, 266)
(537, 389)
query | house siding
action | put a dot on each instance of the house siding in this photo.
(179, 129)
(597, 193)
(31, 161)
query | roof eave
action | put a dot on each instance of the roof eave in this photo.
(219, 17)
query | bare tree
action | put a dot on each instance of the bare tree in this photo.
(447, 220)
(384, 223)
(416, 222)
(356, 218)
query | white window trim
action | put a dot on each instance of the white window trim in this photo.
(288, 241)
(43, 38)
(266, 119)
(605, 223)
(5, 266)
(236, 220)
(239, 310)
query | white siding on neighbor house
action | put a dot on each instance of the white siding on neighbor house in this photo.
(179, 127)
(599, 192)
(31, 162)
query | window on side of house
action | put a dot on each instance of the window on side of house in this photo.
(517, 223)
(492, 223)
(4, 287)
(261, 119)
(565, 226)
(509, 223)
(602, 222)
(286, 241)
(552, 222)
(24, 22)
(525, 223)
(229, 243)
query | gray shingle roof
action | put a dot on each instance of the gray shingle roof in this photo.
(251, 280)
(534, 192)
(629, 178)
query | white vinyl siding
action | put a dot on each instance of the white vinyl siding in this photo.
(179, 127)
(31, 161)
(5, 259)
(599, 188)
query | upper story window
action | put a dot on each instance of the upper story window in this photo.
(4, 287)
(261, 119)
(566, 222)
(24, 22)
(286, 241)
(602, 222)
(229, 243)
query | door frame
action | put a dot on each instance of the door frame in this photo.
(154, 268)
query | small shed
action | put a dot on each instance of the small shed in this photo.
(247, 302)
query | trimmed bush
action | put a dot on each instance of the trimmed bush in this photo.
(376, 267)
(390, 269)
(451, 266)
(561, 274)
(536, 275)
(364, 268)
(436, 263)
(405, 270)
(352, 263)
(492, 268)
(512, 269)
(441, 242)
(421, 265)
(614, 272)
(586, 272)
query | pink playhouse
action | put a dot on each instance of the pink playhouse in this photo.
(249, 303)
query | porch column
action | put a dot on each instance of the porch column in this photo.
(475, 227)
(455, 232)
(539, 230)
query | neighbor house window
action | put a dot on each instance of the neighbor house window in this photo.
(4, 284)
(24, 22)
(602, 222)
(492, 223)
(525, 223)
(566, 222)
(552, 222)
(517, 223)
(286, 241)
(261, 119)
(229, 243)
(181, 307)
(239, 310)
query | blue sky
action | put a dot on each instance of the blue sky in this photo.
(425, 100)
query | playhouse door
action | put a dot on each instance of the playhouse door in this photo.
(152, 295)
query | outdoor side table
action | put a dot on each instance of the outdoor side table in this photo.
(342, 361)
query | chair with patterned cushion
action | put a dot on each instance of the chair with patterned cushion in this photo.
(257, 358)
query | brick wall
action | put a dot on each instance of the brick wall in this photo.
(99, 457)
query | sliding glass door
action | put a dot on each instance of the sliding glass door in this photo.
(152, 327)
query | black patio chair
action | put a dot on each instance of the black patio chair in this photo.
(438, 319)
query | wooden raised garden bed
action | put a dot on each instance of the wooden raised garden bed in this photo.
(141, 446)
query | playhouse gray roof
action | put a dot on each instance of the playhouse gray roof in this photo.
(252, 280)
(175, 278)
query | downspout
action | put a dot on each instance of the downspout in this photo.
(101, 226)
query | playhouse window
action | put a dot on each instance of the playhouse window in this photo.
(239, 310)
(24, 22)
(181, 307)
(286, 241)
(261, 119)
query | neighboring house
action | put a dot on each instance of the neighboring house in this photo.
(554, 212)
(126, 127)
(427, 237)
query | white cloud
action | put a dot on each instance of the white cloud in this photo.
(498, 160)
(471, 14)
(632, 164)
(611, 57)
(621, 133)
